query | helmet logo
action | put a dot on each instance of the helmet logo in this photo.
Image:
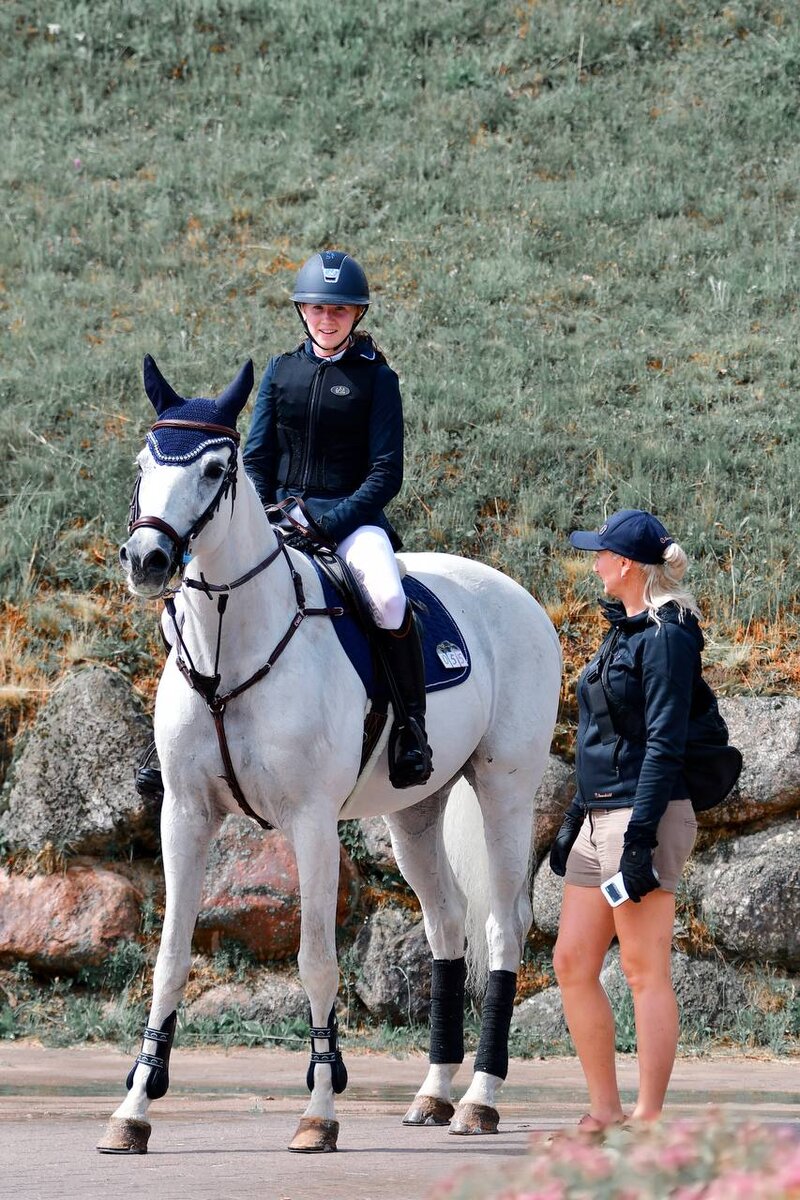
(340, 390)
(330, 274)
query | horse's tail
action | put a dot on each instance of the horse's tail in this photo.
(465, 843)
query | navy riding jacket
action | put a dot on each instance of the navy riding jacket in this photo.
(331, 433)
(650, 676)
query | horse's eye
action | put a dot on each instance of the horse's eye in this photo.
(213, 470)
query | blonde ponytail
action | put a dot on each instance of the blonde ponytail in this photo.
(662, 583)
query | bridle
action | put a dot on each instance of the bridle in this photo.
(227, 485)
(207, 686)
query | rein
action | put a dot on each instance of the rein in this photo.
(207, 686)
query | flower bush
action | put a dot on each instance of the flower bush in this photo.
(710, 1158)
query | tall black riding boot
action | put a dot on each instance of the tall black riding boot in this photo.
(410, 756)
(147, 778)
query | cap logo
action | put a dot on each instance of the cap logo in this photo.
(603, 528)
(330, 274)
(340, 390)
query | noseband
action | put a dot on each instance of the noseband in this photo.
(180, 542)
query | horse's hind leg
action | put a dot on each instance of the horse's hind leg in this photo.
(420, 853)
(506, 801)
(185, 838)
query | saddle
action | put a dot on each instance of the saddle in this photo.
(445, 653)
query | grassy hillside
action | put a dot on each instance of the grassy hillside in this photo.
(580, 221)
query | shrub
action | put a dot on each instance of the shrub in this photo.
(713, 1157)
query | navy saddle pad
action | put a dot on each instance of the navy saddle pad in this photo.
(446, 655)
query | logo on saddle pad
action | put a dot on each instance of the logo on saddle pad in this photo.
(340, 390)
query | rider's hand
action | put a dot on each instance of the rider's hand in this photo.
(564, 840)
(636, 866)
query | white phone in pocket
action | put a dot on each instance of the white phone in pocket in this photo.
(614, 889)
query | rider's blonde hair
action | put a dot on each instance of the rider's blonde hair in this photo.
(662, 583)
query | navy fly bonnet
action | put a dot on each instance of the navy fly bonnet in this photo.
(186, 428)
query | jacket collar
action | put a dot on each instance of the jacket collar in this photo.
(361, 347)
(614, 613)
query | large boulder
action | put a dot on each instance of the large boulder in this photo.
(392, 962)
(547, 891)
(252, 892)
(71, 783)
(747, 891)
(271, 998)
(554, 795)
(60, 923)
(767, 731)
(378, 843)
(709, 993)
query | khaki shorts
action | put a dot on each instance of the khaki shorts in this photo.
(597, 850)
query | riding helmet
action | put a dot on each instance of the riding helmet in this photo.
(331, 277)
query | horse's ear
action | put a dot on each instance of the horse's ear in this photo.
(161, 394)
(234, 398)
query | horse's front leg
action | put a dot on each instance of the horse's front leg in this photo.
(316, 846)
(185, 838)
(421, 856)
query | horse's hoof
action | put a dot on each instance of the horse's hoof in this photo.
(126, 1136)
(429, 1110)
(315, 1135)
(475, 1118)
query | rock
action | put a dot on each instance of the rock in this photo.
(71, 783)
(271, 999)
(66, 921)
(767, 731)
(555, 794)
(707, 991)
(378, 843)
(548, 889)
(748, 893)
(252, 892)
(393, 966)
(541, 1019)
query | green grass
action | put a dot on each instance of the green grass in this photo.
(586, 277)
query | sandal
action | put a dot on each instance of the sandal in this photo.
(594, 1129)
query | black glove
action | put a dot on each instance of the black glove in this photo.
(565, 840)
(636, 866)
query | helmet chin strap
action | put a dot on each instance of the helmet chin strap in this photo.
(341, 344)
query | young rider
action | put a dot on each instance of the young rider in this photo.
(327, 428)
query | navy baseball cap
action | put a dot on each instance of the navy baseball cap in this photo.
(631, 532)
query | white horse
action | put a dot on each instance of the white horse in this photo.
(288, 749)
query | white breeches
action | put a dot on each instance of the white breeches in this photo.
(369, 555)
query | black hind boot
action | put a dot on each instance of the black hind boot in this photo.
(410, 756)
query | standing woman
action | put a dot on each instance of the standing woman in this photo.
(631, 813)
(327, 429)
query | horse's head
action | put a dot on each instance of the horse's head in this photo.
(186, 471)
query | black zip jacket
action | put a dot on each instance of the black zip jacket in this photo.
(650, 677)
(332, 433)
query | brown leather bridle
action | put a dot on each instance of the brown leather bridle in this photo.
(207, 686)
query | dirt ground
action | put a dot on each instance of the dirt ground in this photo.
(222, 1129)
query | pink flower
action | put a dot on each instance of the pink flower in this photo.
(77, 164)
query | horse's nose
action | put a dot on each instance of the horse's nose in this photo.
(125, 559)
(155, 562)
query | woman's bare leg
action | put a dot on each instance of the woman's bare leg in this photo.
(645, 938)
(584, 935)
